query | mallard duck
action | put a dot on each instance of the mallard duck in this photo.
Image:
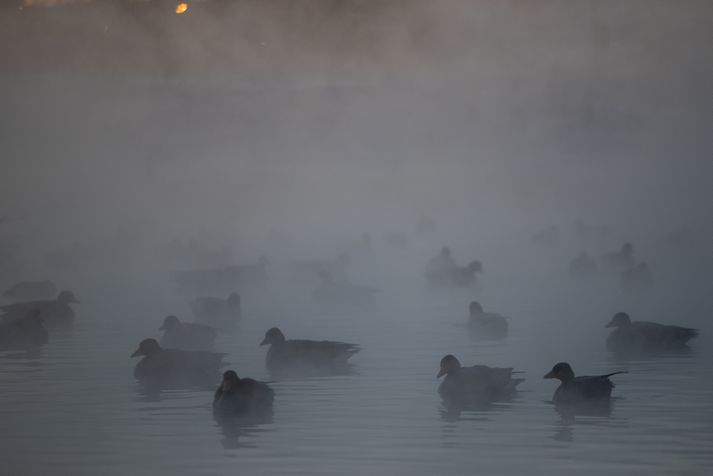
(174, 365)
(306, 356)
(576, 390)
(54, 312)
(486, 324)
(23, 333)
(476, 384)
(186, 336)
(640, 336)
(242, 396)
(217, 310)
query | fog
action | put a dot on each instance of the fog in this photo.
(137, 143)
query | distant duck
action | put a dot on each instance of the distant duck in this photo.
(306, 357)
(642, 336)
(186, 336)
(54, 312)
(583, 266)
(23, 333)
(30, 290)
(217, 310)
(580, 390)
(619, 260)
(175, 366)
(442, 271)
(486, 324)
(637, 278)
(242, 396)
(476, 384)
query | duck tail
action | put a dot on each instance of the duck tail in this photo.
(615, 373)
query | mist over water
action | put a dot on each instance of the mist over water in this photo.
(136, 143)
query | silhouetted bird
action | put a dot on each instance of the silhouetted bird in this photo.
(29, 290)
(619, 260)
(54, 312)
(186, 336)
(486, 324)
(242, 396)
(645, 337)
(476, 384)
(305, 357)
(23, 333)
(217, 310)
(175, 366)
(578, 390)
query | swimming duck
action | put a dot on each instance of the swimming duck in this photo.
(486, 324)
(186, 336)
(23, 333)
(54, 312)
(641, 336)
(576, 390)
(478, 383)
(242, 396)
(214, 309)
(174, 365)
(306, 356)
(618, 260)
(29, 290)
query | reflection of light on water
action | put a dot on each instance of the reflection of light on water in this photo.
(181, 8)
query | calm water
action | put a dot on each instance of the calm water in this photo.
(76, 409)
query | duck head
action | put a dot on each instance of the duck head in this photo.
(234, 299)
(620, 319)
(475, 308)
(147, 347)
(273, 336)
(230, 381)
(67, 297)
(561, 371)
(449, 364)
(170, 323)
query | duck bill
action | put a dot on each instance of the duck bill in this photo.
(440, 373)
(264, 341)
(162, 328)
(611, 324)
(136, 353)
(550, 374)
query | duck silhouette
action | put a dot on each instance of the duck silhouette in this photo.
(242, 396)
(54, 312)
(186, 336)
(160, 365)
(646, 337)
(475, 384)
(306, 357)
(486, 324)
(578, 390)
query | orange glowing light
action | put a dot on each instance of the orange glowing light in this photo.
(181, 8)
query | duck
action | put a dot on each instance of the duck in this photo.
(54, 312)
(640, 336)
(242, 396)
(186, 336)
(24, 333)
(29, 290)
(306, 357)
(215, 309)
(486, 324)
(619, 260)
(161, 365)
(475, 384)
(579, 390)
